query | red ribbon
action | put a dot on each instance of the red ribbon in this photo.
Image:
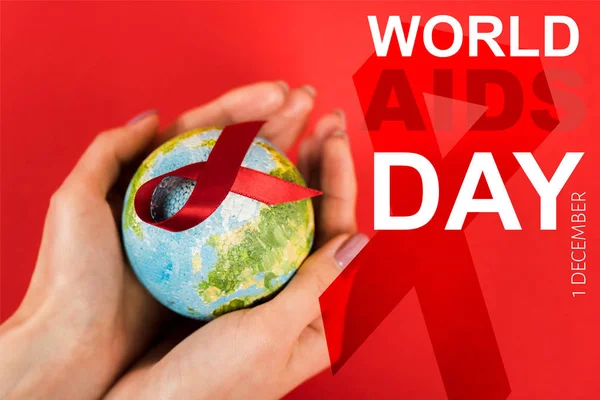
(436, 262)
(216, 177)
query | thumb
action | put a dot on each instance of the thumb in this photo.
(100, 165)
(299, 301)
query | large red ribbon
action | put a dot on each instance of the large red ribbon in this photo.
(435, 262)
(215, 178)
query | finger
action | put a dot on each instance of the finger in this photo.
(309, 153)
(285, 125)
(329, 123)
(306, 164)
(336, 207)
(299, 301)
(246, 103)
(100, 165)
(310, 354)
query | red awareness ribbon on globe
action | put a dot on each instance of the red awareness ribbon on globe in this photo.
(437, 263)
(216, 177)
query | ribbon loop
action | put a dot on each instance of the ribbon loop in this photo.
(215, 178)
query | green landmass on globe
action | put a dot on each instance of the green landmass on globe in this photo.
(241, 255)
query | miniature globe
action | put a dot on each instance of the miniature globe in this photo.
(240, 255)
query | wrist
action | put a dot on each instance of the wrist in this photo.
(44, 357)
(25, 369)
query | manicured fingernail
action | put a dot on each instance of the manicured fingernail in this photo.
(141, 116)
(311, 90)
(350, 249)
(284, 86)
(340, 113)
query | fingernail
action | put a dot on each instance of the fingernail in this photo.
(141, 116)
(311, 90)
(340, 113)
(284, 86)
(340, 134)
(350, 249)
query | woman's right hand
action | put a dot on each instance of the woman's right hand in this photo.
(266, 351)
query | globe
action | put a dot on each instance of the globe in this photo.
(241, 255)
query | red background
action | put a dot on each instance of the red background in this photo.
(70, 70)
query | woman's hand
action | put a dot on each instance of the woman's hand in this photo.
(85, 317)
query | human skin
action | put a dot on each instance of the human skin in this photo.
(88, 329)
